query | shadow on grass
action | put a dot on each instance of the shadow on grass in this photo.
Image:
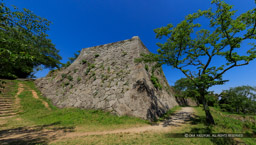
(41, 134)
(207, 130)
(216, 141)
(198, 120)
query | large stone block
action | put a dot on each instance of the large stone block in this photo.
(106, 77)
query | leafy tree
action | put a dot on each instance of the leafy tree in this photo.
(24, 44)
(2, 85)
(240, 99)
(185, 88)
(192, 49)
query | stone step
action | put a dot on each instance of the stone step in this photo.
(5, 107)
(6, 97)
(7, 111)
(6, 100)
(10, 114)
(3, 97)
(5, 103)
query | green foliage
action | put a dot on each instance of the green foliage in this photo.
(71, 59)
(84, 61)
(124, 53)
(78, 79)
(126, 83)
(184, 88)
(66, 64)
(25, 46)
(239, 100)
(102, 66)
(90, 66)
(66, 83)
(156, 82)
(2, 85)
(93, 74)
(35, 111)
(108, 69)
(146, 67)
(87, 71)
(192, 49)
(64, 76)
(96, 55)
(70, 78)
(104, 77)
(223, 41)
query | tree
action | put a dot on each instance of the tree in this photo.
(240, 99)
(24, 44)
(192, 49)
(184, 88)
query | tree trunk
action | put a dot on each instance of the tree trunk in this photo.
(208, 115)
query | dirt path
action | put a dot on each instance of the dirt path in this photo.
(40, 134)
(174, 122)
(34, 93)
(17, 99)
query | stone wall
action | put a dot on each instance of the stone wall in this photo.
(107, 78)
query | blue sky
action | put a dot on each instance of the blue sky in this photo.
(78, 24)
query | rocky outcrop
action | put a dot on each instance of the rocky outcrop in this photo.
(106, 77)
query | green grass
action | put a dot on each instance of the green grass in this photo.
(35, 113)
(34, 110)
(10, 88)
(132, 139)
(223, 125)
(198, 125)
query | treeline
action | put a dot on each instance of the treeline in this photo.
(240, 100)
(24, 43)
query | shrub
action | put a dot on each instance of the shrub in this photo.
(124, 53)
(93, 74)
(102, 66)
(66, 83)
(70, 78)
(146, 67)
(63, 76)
(84, 61)
(155, 82)
(78, 79)
(97, 55)
(92, 66)
(87, 71)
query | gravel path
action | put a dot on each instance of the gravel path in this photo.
(180, 118)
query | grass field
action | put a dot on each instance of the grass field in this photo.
(35, 115)
(34, 112)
